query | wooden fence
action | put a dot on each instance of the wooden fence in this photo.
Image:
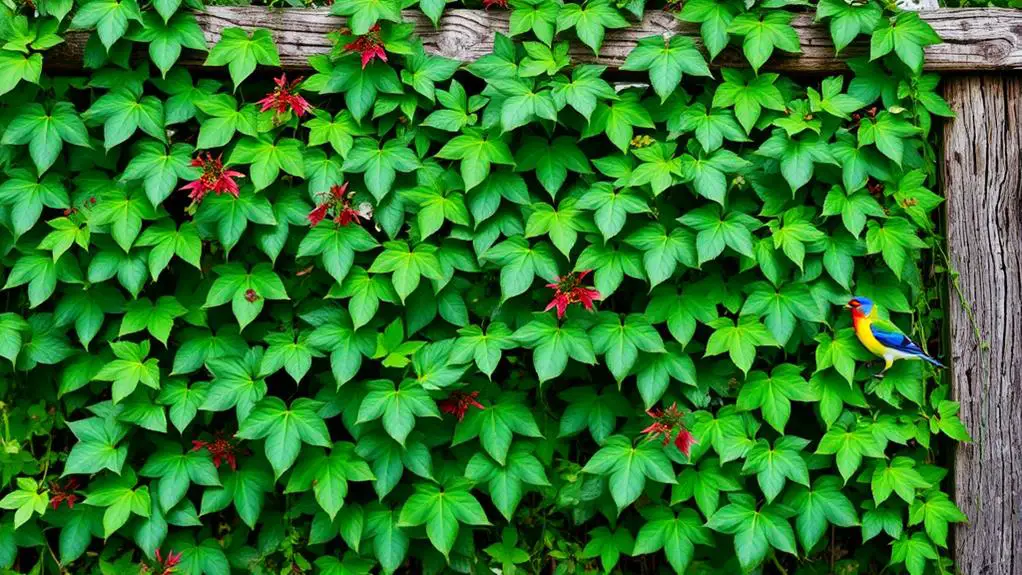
(981, 173)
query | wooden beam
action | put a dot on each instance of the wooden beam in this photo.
(974, 38)
(983, 186)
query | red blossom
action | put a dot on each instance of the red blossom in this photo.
(214, 178)
(487, 4)
(220, 448)
(164, 565)
(284, 97)
(318, 214)
(338, 200)
(568, 289)
(665, 422)
(251, 296)
(369, 45)
(61, 493)
(458, 402)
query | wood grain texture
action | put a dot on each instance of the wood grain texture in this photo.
(974, 38)
(982, 155)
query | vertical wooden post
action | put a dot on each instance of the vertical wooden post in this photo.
(982, 175)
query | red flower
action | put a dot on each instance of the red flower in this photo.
(491, 3)
(568, 290)
(214, 178)
(665, 422)
(167, 565)
(339, 200)
(318, 214)
(285, 96)
(251, 296)
(220, 448)
(458, 402)
(369, 45)
(61, 493)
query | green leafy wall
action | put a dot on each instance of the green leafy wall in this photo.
(409, 315)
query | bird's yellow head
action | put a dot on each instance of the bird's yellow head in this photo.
(860, 305)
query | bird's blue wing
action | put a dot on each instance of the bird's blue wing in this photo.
(894, 340)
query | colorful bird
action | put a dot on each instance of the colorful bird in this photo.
(881, 337)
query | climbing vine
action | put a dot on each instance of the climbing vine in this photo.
(516, 315)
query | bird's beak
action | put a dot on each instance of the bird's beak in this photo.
(848, 306)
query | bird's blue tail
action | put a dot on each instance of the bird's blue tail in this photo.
(931, 360)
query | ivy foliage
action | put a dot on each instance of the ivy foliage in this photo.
(414, 315)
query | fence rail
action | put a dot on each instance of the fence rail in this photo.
(975, 39)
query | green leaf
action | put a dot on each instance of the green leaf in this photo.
(285, 429)
(519, 263)
(507, 482)
(627, 467)
(620, 342)
(246, 290)
(483, 347)
(822, 504)
(241, 52)
(496, 424)
(120, 498)
(109, 18)
(129, 369)
(46, 131)
(123, 111)
(849, 446)
(379, 166)
(748, 96)
(366, 13)
(396, 407)
(667, 61)
(27, 197)
(935, 512)
(176, 471)
(715, 18)
(764, 32)
(442, 509)
(97, 447)
(755, 531)
(772, 394)
(676, 535)
(552, 343)
(26, 500)
(608, 546)
(160, 169)
(328, 475)
(906, 34)
(740, 339)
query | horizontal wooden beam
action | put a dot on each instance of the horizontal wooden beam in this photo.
(975, 39)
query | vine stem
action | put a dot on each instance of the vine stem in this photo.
(46, 462)
(780, 568)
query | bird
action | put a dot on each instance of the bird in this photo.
(881, 337)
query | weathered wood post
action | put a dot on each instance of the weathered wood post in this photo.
(982, 177)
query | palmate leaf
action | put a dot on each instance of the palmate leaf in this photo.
(676, 535)
(247, 290)
(45, 132)
(666, 61)
(756, 531)
(507, 482)
(495, 425)
(442, 509)
(285, 428)
(242, 52)
(552, 343)
(627, 467)
(328, 475)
